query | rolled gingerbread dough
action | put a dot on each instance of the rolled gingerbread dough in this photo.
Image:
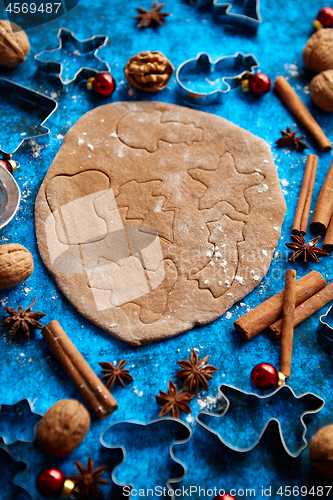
(154, 218)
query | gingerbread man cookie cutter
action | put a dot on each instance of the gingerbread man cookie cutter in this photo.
(47, 62)
(308, 403)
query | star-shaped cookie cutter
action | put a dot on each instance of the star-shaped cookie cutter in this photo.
(203, 71)
(251, 400)
(180, 427)
(251, 20)
(64, 36)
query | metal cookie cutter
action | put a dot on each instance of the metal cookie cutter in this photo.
(17, 426)
(326, 324)
(250, 20)
(161, 435)
(50, 62)
(288, 421)
(28, 110)
(202, 81)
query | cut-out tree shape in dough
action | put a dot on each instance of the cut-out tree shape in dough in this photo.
(151, 226)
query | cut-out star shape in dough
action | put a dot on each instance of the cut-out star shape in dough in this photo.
(225, 184)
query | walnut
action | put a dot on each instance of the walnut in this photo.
(14, 44)
(322, 90)
(149, 71)
(321, 451)
(318, 52)
(63, 428)
(16, 264)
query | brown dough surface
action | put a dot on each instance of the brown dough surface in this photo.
(154, 218)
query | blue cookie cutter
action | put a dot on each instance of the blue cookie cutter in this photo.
(195, 77)
(169, 429)
(250, 20)
(47, 62)
(309, 403)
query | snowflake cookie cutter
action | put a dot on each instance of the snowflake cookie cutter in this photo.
(310, 402)
(168, 428)
(196, 77)
(65, 36)
(250, 20)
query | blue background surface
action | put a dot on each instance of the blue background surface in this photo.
(29, 370)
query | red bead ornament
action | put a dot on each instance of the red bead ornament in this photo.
(325, 17)
(226, 496)
(103, 84)
(9, 165)
(264, 376)
(259, 84)
(50, 483)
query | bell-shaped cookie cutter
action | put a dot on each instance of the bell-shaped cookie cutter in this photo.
(238, 65)
(251, 20)
(182, 427)
(314, 402)
(64, 36)
(10, 196)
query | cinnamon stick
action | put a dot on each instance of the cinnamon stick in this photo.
(324, 206)
(328, 240)
(84, 378)
(306, 309)
(300, 224)
(288, 314)
(301, 112)
(266, 313)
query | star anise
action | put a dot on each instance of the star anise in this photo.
(289, 137)
(151, 17)
(195, 372)
(174, 401)
(22, 321)
(115, 374)
(308, 251)
(88, 479)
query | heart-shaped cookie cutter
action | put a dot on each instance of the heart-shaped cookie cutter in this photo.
(251, 400)
(203, 71)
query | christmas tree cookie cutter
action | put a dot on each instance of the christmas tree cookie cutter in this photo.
(263, 417)
(250, 20)
(202, 81)
(28, 110)
(48, 63)
(161, 435)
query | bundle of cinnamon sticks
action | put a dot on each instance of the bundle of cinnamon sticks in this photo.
(322, 219)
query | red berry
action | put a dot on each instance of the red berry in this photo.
(264, 376)
(226, 496)
(50, 483)
(325, 16)
(104, 84)
(259, 84)
(7, 165)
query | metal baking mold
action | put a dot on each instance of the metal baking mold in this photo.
(194, 76)
(10, 196)
(326, 324)
(13, 468)
(307, 403)
(37, 108)
(160, 434)
(47, 62)
(250, 20)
